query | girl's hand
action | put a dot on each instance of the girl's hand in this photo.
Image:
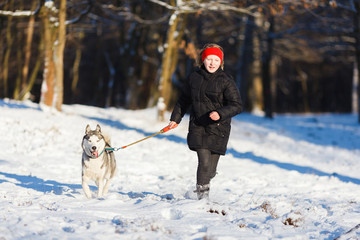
(214, 116)
(173, 124)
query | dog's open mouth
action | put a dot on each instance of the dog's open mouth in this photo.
(95, 154)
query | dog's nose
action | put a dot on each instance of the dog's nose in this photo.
(94, 148)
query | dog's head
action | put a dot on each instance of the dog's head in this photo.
(93, 142)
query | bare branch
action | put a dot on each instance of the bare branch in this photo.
(351, 8)
(124, 12)
(82, 13)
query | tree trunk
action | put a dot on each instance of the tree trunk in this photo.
(47, 87)
(255, 87)
(27, 50)
(76, 65)
(357, 52)
(19, 64)
(110, 85)
(133, 82)
(170, 58)
(54, 41)
(355, 86)
(19, 57)
(170, 49)
(244, 61)
(305, 95)
(266, 70)
(9, 41)
(34, 72)
(59, 57)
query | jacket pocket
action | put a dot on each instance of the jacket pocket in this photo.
(221, 129)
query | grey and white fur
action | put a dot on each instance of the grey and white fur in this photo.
(98, 164)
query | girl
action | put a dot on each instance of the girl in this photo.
(214, 99)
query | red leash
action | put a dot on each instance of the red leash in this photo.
(165, 129)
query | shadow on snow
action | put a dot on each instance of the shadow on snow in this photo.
(18, 105)
(40, 185)
(135, 195)
(292, 167)
(334, 130)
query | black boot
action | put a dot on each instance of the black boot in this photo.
(202, 191)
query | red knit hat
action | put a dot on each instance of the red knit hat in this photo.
(212, 51)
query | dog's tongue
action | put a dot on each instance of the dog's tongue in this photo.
(95, 154)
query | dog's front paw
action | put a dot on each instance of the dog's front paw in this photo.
(88, 196)
(100, 196)
(87, 193)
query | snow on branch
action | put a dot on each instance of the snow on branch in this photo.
(168, 6)
(21, 13)
(16, 13)
(196, 6)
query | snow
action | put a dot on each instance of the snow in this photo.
(293, 177)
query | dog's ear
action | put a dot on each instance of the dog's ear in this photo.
(98, 129)
(88, 129)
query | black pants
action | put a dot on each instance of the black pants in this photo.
(206, 166)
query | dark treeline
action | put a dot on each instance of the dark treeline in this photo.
(286, 56)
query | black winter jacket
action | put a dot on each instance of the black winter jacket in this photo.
(205, 92)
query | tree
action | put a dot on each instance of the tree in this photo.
(55, 38)
(9, 39)
(27, 49)
(306, 31)
(170, 57)
(48, 86)
(54, 27)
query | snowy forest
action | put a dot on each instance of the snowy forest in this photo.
(286, 56)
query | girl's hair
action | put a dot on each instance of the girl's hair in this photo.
(208, 45)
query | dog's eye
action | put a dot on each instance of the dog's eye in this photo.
(99, 140)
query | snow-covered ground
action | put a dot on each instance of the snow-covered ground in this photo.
(293, 177)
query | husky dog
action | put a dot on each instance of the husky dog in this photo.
(98, 164)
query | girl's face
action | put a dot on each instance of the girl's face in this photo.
(212, 63)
